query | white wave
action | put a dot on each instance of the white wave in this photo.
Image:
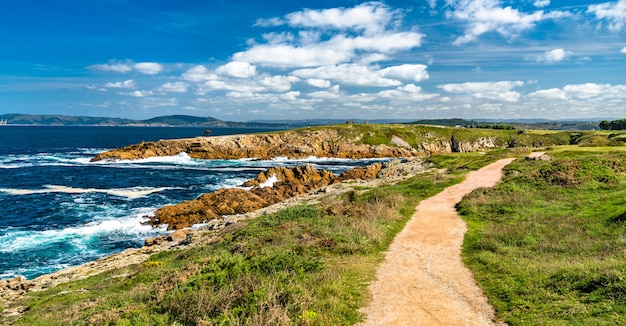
(15, 166)
(180, 159)
(130, 193)
(81, 237)
(269, 182)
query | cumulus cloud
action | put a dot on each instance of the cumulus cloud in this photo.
(287, 55)
(412, 72)
(347, 74)
(370, 17)
(499, 91)
(587, 91)
(237, 69)
(613, 12)
(176, 87)
(552, 93)
(552, 56)
(406, 93)
(148, 68)
(623, 50)
(366, 30)
(319, 83)
(123, 84)
(199, 73)
(114, 67)
(541, 3)
(140, 93)
(484, 16)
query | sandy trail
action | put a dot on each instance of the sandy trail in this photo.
(422, 280)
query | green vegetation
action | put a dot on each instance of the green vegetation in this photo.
(548, 245)
(307, 265)
(416, 135)
(613, 125)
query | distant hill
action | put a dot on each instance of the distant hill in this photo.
(169, 120)
(194, 121)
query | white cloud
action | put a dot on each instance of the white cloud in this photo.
(176, 87)
(277, 83)
(114, 67)
(552, 56)
(623, 50)
(319, 83)
(330, 94)
(199, 74)
(382, 43)
(123, 84)
(140, 93)
(148, 68)
(413, 72)
(152, 102)
(552, 93)
(285, 55)
(614, 12)
(484, 16)
(541, 3)
(270, 22)
(499, 91)
(237, 69)
(347, 74)
(407, 93)
(264, 83)
(370, 17)
(367, 33)
(588, 91)
(592, 90)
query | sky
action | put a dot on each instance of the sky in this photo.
(243, 60)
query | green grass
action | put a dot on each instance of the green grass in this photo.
(307, 265)
(548, 245)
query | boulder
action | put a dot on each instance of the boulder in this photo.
(362, 173)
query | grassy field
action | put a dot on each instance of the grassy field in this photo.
(304, 265)
(548, 245)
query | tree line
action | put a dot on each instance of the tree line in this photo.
(613, 125)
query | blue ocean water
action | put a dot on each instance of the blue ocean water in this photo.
(58, 209)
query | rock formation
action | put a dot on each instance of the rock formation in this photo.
(293, 144)
(287, 183)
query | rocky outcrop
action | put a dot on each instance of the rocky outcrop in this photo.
(291, 144)
(298, 144)
(272, 186)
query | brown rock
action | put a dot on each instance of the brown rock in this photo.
(362, 173)
(178, 235)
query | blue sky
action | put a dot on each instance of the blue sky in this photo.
(245, 60)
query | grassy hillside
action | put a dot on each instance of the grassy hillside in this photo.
(548, 245)
(416, 134)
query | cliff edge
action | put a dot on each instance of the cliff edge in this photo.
(340, 142)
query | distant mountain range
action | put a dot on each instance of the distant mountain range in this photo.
(193, 121)
(171, 120)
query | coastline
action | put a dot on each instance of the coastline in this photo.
(392, 172)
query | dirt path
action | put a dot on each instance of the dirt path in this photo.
(423, 280)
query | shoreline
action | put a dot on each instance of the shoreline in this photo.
(393, 171)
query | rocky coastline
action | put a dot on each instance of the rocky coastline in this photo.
(298, 144)
(291, 187)
(269, 192)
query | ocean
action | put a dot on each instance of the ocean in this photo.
(58, 209)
